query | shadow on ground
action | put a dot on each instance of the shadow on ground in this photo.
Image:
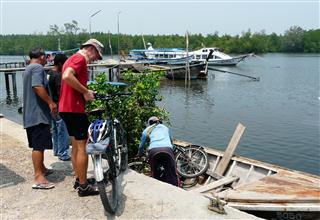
(62, 169)
(9, 177)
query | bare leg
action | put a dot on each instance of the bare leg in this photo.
(82, 161)
(37, 159)
(74, 153)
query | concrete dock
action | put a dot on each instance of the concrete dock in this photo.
(141, 197)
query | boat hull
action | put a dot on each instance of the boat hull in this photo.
(197, 71)
(226, 62)
(262, 188)
(286, 215)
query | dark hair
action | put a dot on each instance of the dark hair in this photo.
(60, 59)
(155, 122)
(36, 53)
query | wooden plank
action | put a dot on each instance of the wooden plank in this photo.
(213, 185)
(213, 175)
(222, 166)
(231, 168)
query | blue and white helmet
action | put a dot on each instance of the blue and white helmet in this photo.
(98, 130)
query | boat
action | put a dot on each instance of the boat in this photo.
(50, 54)
(172, 56)
(198, 70)
(217, 58)
(178, 56)
(265, 190)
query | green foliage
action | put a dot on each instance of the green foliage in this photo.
(293, 40)
(71, 36)
(132, 111)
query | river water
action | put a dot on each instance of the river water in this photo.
(280, 112)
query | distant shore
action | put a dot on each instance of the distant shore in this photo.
(294, 40)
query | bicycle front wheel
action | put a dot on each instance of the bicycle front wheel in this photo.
(121, 148)
(122, 143)
(192, 162)
(108, 187)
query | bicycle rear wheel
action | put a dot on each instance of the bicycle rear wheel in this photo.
(108, 187)
(192, 162)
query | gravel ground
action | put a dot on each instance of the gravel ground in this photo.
(141, 197)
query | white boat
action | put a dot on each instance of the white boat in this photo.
(160, 55)
(180, 56)
(217, 58)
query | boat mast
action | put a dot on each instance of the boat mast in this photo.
(144, 43)
(110, 44)
(187, 61)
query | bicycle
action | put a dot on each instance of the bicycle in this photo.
(109, 152)
(192, 161)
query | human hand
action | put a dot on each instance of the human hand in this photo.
(89, 95)
(54, 108)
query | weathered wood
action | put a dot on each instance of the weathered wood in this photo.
(215, 184)
(222, 166)
(213, 175)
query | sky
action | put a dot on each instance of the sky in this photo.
(160, 16)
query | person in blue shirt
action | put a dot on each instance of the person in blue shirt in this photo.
(160, 151)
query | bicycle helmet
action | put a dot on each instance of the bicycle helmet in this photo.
(152, 120)
(98, 130)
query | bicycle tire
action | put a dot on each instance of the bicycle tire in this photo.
(192, 162)
(124, 149)
(121, 149)
(109, 197)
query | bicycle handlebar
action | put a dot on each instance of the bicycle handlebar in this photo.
(111, 96)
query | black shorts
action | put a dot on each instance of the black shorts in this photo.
(77, 124)
(39, 137)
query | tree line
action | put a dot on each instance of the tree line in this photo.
(294, 40)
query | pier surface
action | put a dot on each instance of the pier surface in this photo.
(140, 196)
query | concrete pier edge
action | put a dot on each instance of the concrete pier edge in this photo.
(141, 197)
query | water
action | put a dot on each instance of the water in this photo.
(280, 112)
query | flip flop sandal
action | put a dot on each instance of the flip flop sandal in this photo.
(48, 172)
(43, 186)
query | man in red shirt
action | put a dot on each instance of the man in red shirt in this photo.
(73, 97)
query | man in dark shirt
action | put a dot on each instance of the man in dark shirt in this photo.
(59, 130)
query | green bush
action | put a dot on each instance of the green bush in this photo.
(134, 110)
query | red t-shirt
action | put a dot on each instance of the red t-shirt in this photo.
(70, 99)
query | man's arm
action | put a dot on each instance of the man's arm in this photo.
(142, 142)
(170, 134)
(42, 93)
(69, 76)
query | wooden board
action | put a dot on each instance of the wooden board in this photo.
(223, 164)
(215, 184)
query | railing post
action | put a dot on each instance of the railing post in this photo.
(6, 76)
